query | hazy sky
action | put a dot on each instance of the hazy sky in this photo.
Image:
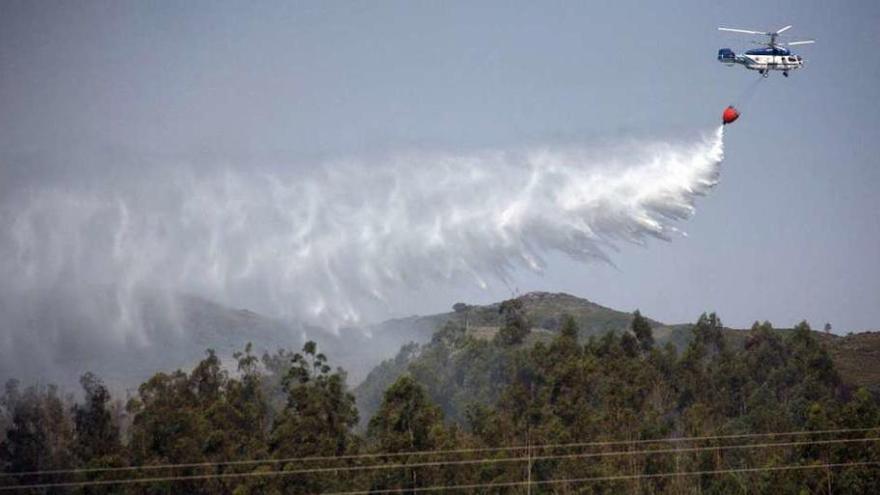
(792, 232)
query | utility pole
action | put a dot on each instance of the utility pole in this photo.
(529, 439)
(529, 456)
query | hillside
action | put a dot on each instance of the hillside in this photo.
(169, 333)
(543, 310)
(478, 400)
(176, 333)
(857, 357)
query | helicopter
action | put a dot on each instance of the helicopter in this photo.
(773, 56)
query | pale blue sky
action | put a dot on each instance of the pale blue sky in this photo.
(792, 231)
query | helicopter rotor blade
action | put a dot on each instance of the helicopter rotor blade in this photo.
(741, 31)
(804, 42)
(786, 28)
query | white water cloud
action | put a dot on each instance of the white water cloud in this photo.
(331, 245)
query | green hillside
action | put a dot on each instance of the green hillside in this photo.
(857, 358)
(469, 331)
(614, 408)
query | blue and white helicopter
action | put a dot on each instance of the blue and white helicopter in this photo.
(772, 57)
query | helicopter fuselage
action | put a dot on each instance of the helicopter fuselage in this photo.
(762, 60)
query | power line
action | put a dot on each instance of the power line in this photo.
(461, 462)
(245, 462)
(609, 478)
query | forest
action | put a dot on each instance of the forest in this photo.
(508, 413)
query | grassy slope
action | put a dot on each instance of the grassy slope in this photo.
(857, 357)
